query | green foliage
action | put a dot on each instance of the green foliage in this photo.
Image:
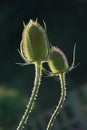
(12, 105)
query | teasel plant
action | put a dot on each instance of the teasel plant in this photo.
(59, 66)
(34, 49)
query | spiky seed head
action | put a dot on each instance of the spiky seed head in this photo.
(34, 45)
(57, 61)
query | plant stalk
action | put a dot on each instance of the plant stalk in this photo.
(60, 103)
(38, 74)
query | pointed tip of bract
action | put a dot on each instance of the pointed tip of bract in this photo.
(36, 20)
(31, 22)
(45, 27)
(24, 24)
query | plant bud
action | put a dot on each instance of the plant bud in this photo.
(34, 45)
(57, 61)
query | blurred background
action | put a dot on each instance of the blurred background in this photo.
(66, 25)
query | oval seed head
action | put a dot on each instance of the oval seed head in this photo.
(34, 45)
(57, 61)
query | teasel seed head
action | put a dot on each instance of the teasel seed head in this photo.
(57, 61)
(34, 46)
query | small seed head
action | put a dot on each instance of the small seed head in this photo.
(57, 61)
(34, 45)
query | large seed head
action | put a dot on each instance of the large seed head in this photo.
(57, 61)
(34, 45)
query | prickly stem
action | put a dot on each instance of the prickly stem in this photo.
(60, 103)
(33, 97)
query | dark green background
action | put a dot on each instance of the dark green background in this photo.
(66, 22)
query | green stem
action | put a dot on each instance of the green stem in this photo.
(38, 69)
(60, 103)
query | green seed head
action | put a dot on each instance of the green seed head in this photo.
(34, 45)
(57, 61)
